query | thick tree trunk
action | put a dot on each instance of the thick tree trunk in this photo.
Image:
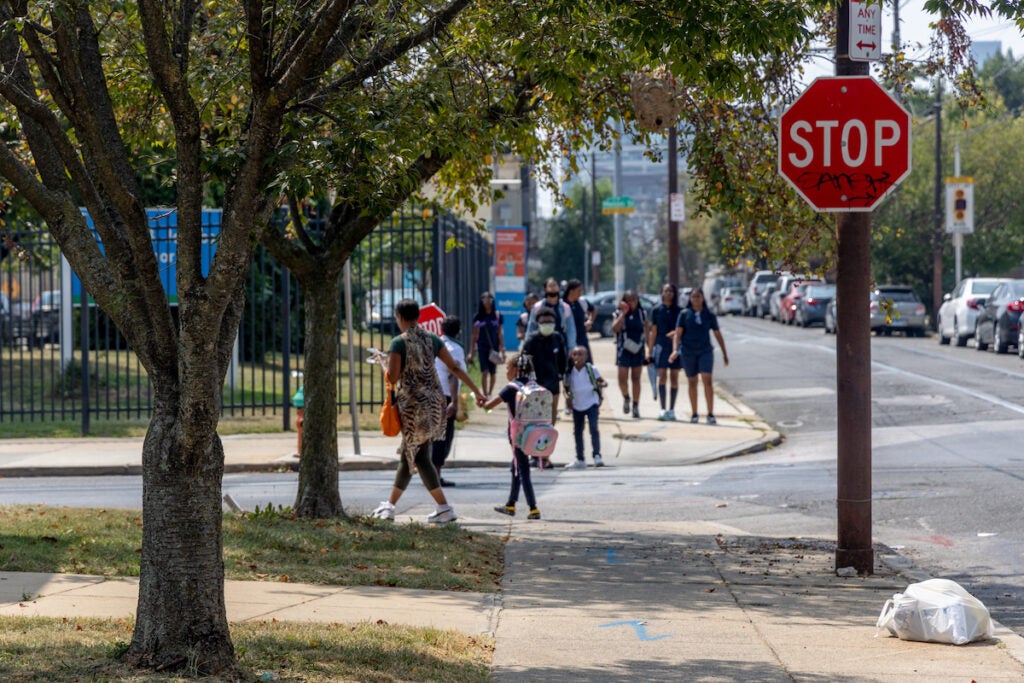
(318, 495)
(182, 619)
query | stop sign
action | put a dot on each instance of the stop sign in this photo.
(844, 144)
(430, 318)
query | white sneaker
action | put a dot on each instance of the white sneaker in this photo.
(598, 462)
(443, 516)
(576, 465)
(384, 511)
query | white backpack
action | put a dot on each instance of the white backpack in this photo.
(530, 428)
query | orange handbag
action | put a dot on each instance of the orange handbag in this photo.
(390, 422)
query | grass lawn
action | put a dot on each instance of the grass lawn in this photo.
(266, 545)
(42, 649)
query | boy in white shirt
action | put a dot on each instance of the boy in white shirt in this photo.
(450, 329)
(583, 385)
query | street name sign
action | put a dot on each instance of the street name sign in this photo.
(844, 144)
(614, 205)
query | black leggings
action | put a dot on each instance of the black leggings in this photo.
(428, 475)
(521, 479)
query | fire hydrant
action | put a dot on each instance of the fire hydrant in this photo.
(299, 401)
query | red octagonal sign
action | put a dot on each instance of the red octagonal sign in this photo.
(431, 317)
(844, 144)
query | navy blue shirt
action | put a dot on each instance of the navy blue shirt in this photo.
(665, 319)
(697, 329)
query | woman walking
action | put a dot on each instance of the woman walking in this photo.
(631, 327)
(421, 404)
(693, 343)
(488, 341)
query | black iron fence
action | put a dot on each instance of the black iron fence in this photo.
(48, 373)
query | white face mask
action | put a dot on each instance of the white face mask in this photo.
(547, 329)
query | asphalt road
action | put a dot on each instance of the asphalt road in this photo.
(948, 468)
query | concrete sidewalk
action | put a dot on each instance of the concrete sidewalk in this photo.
(481, 442)
(615, 601)
(582, 599)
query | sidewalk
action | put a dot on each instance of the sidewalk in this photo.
(481, 442)
(583, 599)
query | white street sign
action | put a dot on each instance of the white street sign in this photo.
(677, 207)
(865, 30)
(960, 205)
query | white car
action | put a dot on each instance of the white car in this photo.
(752, 297)
(960, 309)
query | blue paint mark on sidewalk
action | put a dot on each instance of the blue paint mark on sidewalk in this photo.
(610, 555)
(640, 628)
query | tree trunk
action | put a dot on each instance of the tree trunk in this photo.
(318, 496)
(182, 622)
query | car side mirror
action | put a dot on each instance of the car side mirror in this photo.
(947, 297)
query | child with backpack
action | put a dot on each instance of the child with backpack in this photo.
(583, 385)
(529, 428)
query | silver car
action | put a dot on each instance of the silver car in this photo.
(897, 307)
(958, 314)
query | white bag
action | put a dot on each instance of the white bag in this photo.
(936, 611)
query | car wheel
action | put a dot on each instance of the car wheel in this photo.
(1020, 344)
(961, 339)
(979, 343)
(998, 344)
(943, 339)
(606, 328)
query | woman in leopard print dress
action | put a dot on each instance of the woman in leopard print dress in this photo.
(421, 405)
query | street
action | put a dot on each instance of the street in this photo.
(946, 470)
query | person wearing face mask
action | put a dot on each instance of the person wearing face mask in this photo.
(693, 344)
(631, 328)
(564, 322)
(550, 356)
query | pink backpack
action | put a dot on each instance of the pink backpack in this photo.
(530, 426)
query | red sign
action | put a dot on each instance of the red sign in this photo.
(430, 318)
(844, 144)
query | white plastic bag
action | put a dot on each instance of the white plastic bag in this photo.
(936, 611)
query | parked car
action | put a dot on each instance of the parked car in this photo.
(959, 311)
(906, 311)
(788, 303)
(764, 300)
(607, 302)
(810, 308)
(730, 301)
(713, 286)
(752, 295)
(45, 313)
(380, 307)
(998, 323)
(781, 289)
(831, 321)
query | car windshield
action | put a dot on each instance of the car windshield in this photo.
(1016, 289)
(983, 287)
(899, 295)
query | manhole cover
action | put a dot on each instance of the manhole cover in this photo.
(640, 437)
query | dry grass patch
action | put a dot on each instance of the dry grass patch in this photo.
(41, 649)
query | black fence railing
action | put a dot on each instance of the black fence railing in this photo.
(48, 373)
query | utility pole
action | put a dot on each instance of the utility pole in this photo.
(595, 246)
(938, 232)
(673, 189)
(854, 547)
(620, 266)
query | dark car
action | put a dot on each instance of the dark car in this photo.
(46, 317)
(810, 308)
(606, 303)
(788, 302)
(764, 297)
(998, 323)
(897, 307)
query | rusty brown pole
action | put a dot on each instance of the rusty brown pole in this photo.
(853, 362)
(673, 187)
